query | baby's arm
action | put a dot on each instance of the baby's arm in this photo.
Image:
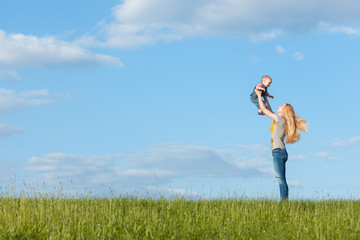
(270, 96)
(267, 104)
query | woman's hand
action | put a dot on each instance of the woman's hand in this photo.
(258, 92)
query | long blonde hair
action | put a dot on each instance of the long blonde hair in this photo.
(293, 124)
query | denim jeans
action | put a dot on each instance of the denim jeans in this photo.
(256, 101)
(280, 157)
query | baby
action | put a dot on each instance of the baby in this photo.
(265, 83)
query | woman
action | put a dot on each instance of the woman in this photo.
(286, 125)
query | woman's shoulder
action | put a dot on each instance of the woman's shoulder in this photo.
(280, 119)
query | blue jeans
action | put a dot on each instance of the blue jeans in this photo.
(280, 157)
(255, 101)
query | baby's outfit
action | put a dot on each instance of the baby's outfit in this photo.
(253, 96)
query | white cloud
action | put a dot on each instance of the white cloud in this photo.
(327, 156)
(354, 140)
(199, 161)
(9, 75)
(340, 142)
(35, 93)
(69, 164)
(10, 100)
(295, 184)
(160, 164)
(93, 171)
(333, 28)
(347, 30)
(265, 36)
(6, 130)
(337, 142)
(8, 173)
(137, 22)
(256, 149)
(19, 50)
(297, 156)
(168, 190)
(254, 59)
(298, 56)
(280, 50)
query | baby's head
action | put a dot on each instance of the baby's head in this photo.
(266, 80)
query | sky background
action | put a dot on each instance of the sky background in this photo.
(152, 97)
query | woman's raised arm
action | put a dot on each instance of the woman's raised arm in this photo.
(266, 111)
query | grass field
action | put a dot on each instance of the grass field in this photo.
(54, 217)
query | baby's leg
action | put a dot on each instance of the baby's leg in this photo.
(256, 103)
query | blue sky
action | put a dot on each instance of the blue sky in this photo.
(153, 96)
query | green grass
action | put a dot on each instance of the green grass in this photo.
(50, 217)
